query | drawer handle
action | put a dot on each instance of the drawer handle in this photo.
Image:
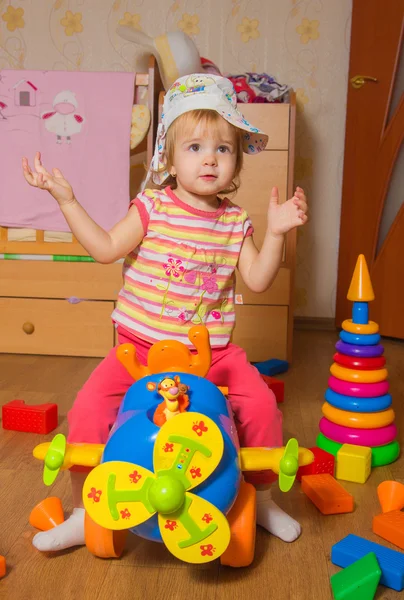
(28, 328)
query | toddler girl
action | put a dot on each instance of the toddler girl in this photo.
(182, 244)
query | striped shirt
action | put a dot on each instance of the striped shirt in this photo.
(183, 271)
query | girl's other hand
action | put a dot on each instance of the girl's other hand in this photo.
(288, 215)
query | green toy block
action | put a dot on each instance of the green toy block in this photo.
(359, 581)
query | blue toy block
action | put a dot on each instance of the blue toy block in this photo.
(391, 562)
(272, 367)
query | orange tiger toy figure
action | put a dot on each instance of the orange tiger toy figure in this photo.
(175, 402)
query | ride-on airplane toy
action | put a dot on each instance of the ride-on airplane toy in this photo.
(158, 451)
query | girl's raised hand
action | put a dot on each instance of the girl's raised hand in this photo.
(284, 217)
(54, 183)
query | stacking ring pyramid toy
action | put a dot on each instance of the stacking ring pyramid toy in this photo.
(358, 409)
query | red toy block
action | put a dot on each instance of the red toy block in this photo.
(39, 418)
(323, 463)
(276, 385)
(2, 566)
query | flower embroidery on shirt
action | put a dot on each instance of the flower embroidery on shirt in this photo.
(203, 278)
(173, 267)
(209, 284)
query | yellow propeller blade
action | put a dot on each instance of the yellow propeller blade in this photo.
(196, 533)
(262, 459)
(85, 455)
(188, 447)
(116, 495)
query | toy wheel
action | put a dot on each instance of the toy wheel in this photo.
(242, 521)
(102, 542)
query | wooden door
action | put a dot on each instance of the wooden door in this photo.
(372, 215)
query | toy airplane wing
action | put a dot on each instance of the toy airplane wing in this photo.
(84, 455)
(262, 459)
(283, 461)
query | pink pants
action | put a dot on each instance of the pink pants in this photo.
(258, 420)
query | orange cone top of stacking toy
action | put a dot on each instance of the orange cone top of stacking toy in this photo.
(361, 289)
(47, 514)
(391, 495)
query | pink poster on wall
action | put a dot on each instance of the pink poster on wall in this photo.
(80, 122)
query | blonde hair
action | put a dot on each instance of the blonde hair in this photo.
(208, 119)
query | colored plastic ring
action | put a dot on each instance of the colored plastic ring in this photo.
(359, 376)
(358, 404)
(355, 362)
(363, 390)
(360, 340)
(360, 328)
(359, 420)
(358, 437)
(381, 455)
(362, 351)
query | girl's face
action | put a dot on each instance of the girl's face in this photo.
(205, 158)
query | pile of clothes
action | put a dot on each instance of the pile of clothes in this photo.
(252, 87)
(258, 87)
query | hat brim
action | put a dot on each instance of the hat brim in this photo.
(254, 141)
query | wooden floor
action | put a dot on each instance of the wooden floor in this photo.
(298, 571)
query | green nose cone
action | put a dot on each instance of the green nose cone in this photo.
(54, 461)
(167, 494)
(289, 465)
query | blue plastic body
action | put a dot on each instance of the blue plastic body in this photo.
(133, 436)
(391, 562)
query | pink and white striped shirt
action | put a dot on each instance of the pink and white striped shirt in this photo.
(183, 271)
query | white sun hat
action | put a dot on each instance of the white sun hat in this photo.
(202, 91)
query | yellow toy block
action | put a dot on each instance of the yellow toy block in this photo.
(353, 463)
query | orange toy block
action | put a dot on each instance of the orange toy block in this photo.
(390, 526)
(327, 494)
(47, 514)
(276, 385)
(2, 566)
(391, 495)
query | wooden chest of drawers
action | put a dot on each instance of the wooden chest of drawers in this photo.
(265, 321)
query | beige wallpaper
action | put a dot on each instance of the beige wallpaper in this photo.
(304, 43)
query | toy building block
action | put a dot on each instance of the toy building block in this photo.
(359, 581)
(276, 385)
(273, 366)
(354, 463)
(391, 495)
(2, 566)
(327, 494)
(47, 514)
(323, 463)
(390, 526)
(352, 547)
(39, 418)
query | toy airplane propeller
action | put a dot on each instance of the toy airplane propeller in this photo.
(54, 458)
(122, 495)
